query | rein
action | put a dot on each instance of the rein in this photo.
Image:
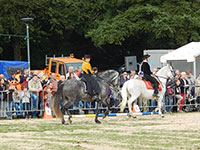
(158, 77)
(110, 82)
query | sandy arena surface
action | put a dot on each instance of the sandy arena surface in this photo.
(82, 133)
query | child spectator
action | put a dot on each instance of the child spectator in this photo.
(25, 96)
(124, 78)
(47, 94)
(141, 75)
(17, 103)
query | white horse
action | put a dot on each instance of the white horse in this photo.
(136, 88)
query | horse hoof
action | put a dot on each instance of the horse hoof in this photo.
(134, 117)
(97, 121)
(104, 116)
(162, 116)
(65, 123)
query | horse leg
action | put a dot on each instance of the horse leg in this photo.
(66, 108)
(63, 112)
(70, 116)
(108, 109)
(159, 107)
(97, 113)
(130, 101)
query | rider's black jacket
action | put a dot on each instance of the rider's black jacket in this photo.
(146, 68)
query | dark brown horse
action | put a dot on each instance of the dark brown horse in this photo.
(72, 91)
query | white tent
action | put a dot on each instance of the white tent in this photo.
(186, 57)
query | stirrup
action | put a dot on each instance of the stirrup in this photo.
(155, 96)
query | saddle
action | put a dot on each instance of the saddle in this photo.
(84, 84)
(150, 87)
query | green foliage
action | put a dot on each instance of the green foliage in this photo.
(1, 50)
(98, 26)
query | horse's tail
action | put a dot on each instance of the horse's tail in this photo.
(56, 102)
(124, 94)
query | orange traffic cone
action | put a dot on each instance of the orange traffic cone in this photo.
(135, 108)
(47, 112)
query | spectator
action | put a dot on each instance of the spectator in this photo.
(71, 71)
(14, 82)
(2, 77)
(140, 75)
(36, 72)
(184, 87)
(35, 87)
(71, 76)
(25, 82)
(124, 78)
(9, 101)
(197, 88)
(18, 75)
(47, 94)
(24, 76)
(62, 79)
(25, 96)
(45, 80)
(178, 75)
(78, 72)
(178, 94)
(3, 90)
(170, 87)
(54, 81)
(17, 103)
(132, 74)
(191, 82)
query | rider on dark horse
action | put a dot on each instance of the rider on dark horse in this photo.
(148, 74)
(91, 83)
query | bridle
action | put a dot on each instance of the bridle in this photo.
(173, 74)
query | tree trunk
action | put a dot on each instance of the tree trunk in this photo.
(16, 48)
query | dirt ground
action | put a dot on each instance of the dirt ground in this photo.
(174, 131)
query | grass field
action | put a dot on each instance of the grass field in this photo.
(175, 131)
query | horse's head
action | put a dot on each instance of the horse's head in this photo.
(112, 77)
(166, 72)
(170, 72)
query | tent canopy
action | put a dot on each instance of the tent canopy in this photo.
(9, 67)
(187, 52)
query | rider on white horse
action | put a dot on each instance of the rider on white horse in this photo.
(148, 74)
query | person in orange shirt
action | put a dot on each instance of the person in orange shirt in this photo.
(14, 82)
(91, 83)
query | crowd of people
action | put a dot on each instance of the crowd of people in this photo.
(26, 95)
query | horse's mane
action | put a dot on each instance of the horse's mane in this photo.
(162, 70)
(107, 73)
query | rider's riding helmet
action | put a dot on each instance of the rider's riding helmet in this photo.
(146, 56)
(87, 56)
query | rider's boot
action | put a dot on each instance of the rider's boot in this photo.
(155, 94)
